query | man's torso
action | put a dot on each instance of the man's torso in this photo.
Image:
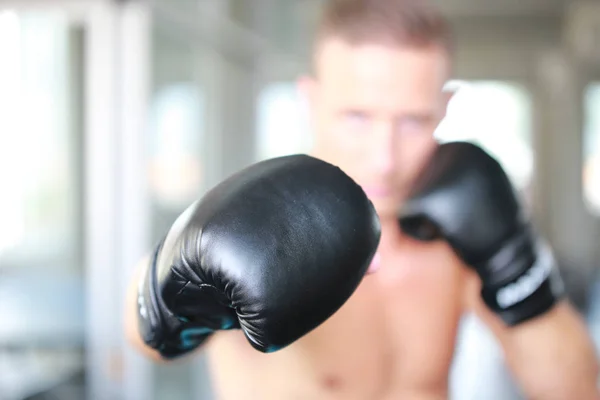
(395, 335)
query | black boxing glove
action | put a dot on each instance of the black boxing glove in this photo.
(275, 250)
(464, 197)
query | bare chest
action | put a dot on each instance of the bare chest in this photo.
(360, 352)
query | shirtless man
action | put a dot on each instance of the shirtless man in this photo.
(376, 96)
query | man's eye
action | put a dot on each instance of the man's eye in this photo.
(412, 125)
(356, 118)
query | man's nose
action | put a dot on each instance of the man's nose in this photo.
(382, 147)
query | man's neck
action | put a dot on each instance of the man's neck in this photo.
(391, 235)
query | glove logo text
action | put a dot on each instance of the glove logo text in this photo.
(527, 284)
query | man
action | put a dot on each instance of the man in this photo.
(376, 98)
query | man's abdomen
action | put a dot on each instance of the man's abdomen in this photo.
(348, 357)
(371, 349)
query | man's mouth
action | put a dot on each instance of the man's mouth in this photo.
(375, 264)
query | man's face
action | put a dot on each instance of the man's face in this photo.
(375, 109)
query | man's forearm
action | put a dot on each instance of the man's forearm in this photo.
(552, 355)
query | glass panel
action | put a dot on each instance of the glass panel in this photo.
(591, 148)
(591, 190)
(176, 161)
(175, 138)
(176, 128)
(497, 116)
(41, 296)
(282, 122)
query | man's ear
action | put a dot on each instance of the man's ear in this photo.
(308, 87)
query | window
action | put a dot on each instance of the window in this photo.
(176, 148)
(496, 116)
(282, 122)
(176, 125)
(41, 289)
(38, 148)
(175, 143)
(591, 148)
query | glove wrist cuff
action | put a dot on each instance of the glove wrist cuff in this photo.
(533, 287)
(159, 328)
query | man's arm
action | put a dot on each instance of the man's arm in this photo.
(464, 197)
(551, 356)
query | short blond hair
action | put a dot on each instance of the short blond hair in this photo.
(411, 23)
